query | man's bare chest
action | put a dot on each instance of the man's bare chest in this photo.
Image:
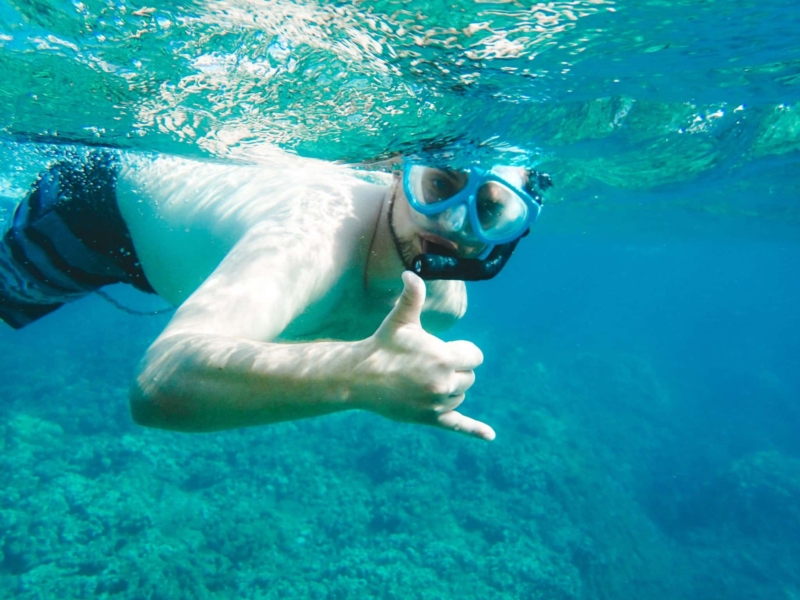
(345, 316)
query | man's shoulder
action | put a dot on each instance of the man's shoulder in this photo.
(230, 198)
(186, 216)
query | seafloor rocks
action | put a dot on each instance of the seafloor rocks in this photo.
(758, 494)
(559, 507)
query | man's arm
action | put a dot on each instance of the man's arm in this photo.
(211, 368)
(208, 371)
(202, 382)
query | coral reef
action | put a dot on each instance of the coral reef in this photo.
(593, 489)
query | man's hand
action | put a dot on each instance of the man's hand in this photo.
(410, 375)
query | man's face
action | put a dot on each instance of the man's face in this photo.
(448, 233)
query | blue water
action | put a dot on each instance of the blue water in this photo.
(641, 347)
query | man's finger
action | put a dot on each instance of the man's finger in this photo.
(461, 382)
(455, 421)
(464, 356)
(408, 309)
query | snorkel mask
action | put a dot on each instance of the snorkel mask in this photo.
(494, 207)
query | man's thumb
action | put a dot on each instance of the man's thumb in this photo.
(408, 309)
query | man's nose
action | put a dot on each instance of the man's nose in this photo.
(453, 219)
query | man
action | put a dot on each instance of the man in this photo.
(267, 265)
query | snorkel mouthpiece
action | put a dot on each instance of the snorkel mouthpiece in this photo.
(436, 266)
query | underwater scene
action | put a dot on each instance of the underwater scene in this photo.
(641, 347)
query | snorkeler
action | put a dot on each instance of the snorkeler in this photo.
(268, 264)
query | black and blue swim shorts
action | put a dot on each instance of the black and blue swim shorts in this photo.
(66, 239)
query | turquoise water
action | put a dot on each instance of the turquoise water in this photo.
(641, 347)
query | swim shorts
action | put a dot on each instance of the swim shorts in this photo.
(66, 240)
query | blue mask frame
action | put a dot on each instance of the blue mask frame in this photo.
(476, 177)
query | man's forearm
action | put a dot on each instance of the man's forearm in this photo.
(207, 383)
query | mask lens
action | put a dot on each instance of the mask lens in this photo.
(430, 185)
(500, 210)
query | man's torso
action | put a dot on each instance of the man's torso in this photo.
(186, 216)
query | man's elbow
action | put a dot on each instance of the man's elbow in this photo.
(150, 411)
(144, 410)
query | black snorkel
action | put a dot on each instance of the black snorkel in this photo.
(437, 266)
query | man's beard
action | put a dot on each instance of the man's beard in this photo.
(405, 250)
